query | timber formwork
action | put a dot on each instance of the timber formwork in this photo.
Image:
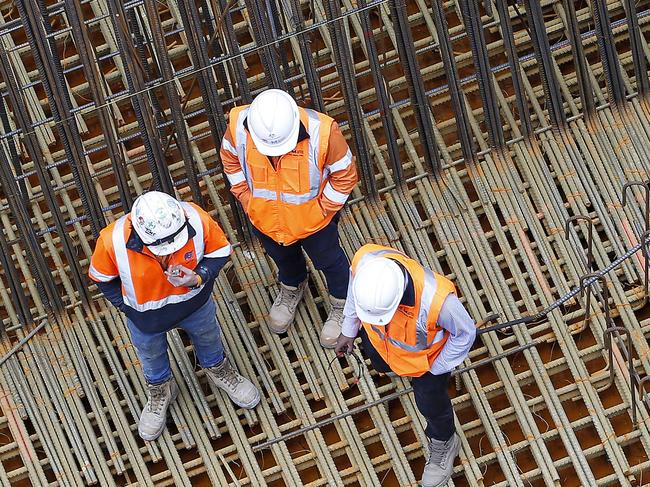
(481, 129)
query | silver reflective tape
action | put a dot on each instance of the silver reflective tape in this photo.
(222, 252)
(342, 163)
(195, 220)
(314, 149)
(173, 299)
(236, 178)
(225, 144)
(265, 194)
(98, 276)
(122, 260)
(333, 195)
(297, 199)
(241, 139)
(422, 321)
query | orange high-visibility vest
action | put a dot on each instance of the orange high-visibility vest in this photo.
(284, 199)
(144, 284)
(412, 340)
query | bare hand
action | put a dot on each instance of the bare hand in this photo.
(181, 276)
(344, 345)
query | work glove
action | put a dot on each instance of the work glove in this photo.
(181, 276)
(344, 345)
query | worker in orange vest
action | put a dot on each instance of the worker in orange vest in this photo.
(157, 265)
(292, 171)
(411, 323)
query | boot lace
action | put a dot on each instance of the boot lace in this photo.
(438, 453)
(287, 297)
(336, 314)
(228, 375)
(156, 398)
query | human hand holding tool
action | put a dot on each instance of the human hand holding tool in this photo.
(181, 276)
(344, 345)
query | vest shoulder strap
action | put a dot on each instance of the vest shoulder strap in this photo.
(444, 287)
(233, 118)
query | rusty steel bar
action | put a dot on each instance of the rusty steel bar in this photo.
(49, 65)
(502, 243)
(171, 94)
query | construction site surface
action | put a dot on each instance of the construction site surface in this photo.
(494, 140)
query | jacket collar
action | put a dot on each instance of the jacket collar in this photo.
(302, 131)
(136, 244)
(408, 298)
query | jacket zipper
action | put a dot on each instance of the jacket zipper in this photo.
(277, 190)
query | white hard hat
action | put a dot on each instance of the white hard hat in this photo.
(378, 287)
(274, 122)
(160, 222)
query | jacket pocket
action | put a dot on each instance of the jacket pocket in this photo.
(259, 173)
(292, 180)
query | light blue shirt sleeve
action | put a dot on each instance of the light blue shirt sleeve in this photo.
(351, 322)
(462, 332)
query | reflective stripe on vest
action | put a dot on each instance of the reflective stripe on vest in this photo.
(422, 322)
(315, 175)
(405, 346)
(422, 327)
(124, 266)
(98, 276)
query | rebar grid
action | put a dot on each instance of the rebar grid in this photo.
(483, 199)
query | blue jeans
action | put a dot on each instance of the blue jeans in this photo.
(204, 331)
(324, 250)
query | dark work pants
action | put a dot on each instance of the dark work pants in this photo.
(323, 249)
(431, 395)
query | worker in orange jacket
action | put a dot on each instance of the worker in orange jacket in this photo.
(411, 323)
(157, 265)
(292, 171)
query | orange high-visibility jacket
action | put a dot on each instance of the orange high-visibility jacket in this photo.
(300, 194)
(144, 284)
(412, 341)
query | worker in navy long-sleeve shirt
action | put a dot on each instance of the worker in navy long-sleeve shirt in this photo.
(158, 264)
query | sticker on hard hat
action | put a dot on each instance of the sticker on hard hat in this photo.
(149, 227)
(164, 219)
(272, 142)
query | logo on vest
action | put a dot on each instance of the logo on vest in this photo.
(189, 255)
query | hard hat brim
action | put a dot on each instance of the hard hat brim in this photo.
(279, 149)
(378, 319)
(374, 319)
(169, 248)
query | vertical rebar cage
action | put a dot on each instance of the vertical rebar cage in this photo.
(480, 129)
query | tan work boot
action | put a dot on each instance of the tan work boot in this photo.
(440, 462)
(240, 390)
(332, 327)
(154, 415)
(283, 311)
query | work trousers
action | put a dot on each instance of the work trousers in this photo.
(204, 331)
(323, 249)
(431, 394)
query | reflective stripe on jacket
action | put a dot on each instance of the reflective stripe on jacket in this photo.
(412, 341)
(284, 201)
(144, 284)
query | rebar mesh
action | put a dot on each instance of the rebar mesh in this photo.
(501, 133)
